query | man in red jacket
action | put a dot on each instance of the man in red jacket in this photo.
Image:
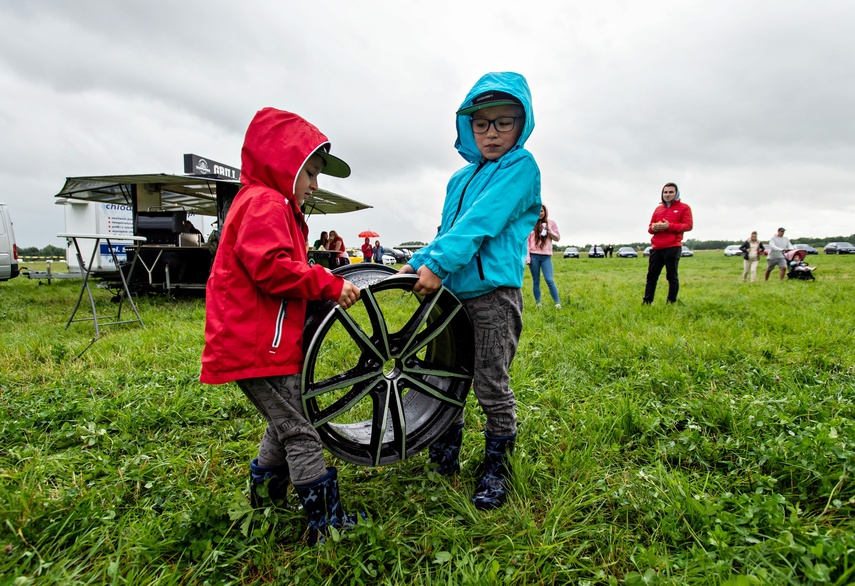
(670, 220)
(256, 308)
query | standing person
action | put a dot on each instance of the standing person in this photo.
(778, 245)
(378, 252)
(540, 256)
(256, 308)
(670, 220)
(336, 244)
(367, 251)
(479, 255)
(322, 242)
(751, 251)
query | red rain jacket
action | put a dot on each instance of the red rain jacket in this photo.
(679, 217)
(261, 279)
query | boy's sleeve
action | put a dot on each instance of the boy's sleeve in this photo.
(264, 247)
(508, 193)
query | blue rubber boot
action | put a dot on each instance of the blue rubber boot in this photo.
(492, 489)
(445, 451)
(322, 505)
(276, 479)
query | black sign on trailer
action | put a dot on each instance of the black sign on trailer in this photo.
(202, 167)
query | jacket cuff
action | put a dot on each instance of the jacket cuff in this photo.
(434, 266)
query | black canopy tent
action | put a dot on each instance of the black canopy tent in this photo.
(195, 194)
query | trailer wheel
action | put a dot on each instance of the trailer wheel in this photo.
(385, 378)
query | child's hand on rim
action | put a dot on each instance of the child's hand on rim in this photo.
(349, 295)
(428, 282)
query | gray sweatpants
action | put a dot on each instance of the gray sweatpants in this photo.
(497, 323)
(289, 437)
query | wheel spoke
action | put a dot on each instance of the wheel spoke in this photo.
(431, 331)
(388, 409)
(417, 383)
(378, 322)
(357, 333)
(342, 405)
(420, 370)
(410, 332)
(348, 378)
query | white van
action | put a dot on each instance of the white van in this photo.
(8, 248)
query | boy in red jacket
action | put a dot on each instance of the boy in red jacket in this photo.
(256, 307)
(670, 220)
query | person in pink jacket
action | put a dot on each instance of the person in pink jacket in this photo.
(540, 256)
(670, 220)
(256, 308)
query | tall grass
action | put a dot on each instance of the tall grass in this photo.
(708, 442)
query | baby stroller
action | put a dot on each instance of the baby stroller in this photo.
(798, 268)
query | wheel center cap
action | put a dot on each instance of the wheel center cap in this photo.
(390, 368)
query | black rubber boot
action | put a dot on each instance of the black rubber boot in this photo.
(492, 490)
(445, 451)
(276, 479)
(323, 508)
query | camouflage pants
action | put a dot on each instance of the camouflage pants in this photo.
(497, 324)
(289, 437)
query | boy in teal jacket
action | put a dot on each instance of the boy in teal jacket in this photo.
(479, 254)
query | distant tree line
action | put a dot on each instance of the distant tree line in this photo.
(49, 251)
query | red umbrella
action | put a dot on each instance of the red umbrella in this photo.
(369, 234)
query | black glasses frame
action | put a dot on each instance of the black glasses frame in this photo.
(493, 122)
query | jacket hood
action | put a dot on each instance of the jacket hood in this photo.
(512, 83)
(276, 146)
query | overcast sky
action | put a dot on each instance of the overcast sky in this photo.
(748, 106)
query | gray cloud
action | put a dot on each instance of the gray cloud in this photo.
(745, 105)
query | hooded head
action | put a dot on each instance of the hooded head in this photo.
(670, 201)
(277, 145)
(493, 89)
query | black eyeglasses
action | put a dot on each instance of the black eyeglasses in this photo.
(501, 124)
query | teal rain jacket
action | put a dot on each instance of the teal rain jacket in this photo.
(490, 207)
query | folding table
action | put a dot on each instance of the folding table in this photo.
(86, 270)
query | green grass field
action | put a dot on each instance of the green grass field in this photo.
(708, 442)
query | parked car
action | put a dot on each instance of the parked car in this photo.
(839, 248)
(596, 252)
(387, 259)
(571, 252)
(733, 250)
(399, 255)
(627, 252)
(354, 256)
(647, 251)
(686, 252)
(807, 248)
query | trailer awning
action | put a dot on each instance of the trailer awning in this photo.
(195, 194)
